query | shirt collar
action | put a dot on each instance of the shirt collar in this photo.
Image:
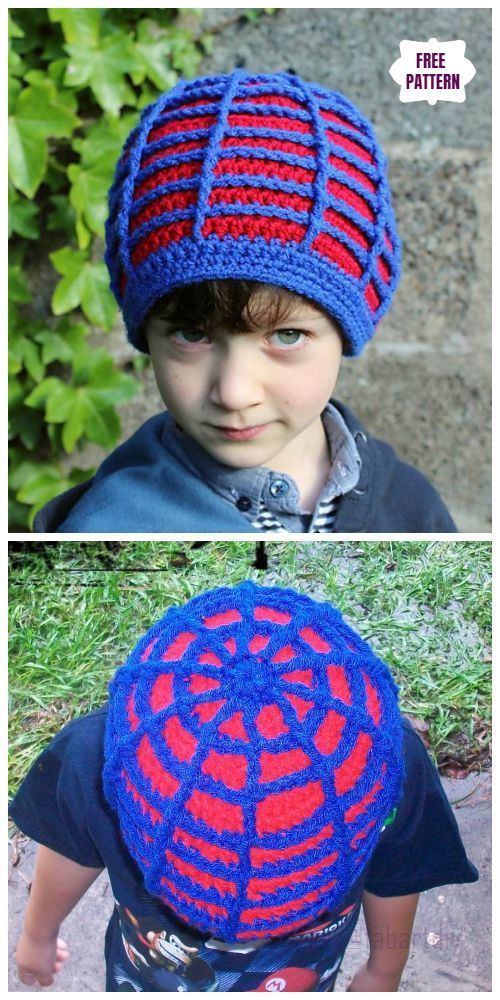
(248, 489)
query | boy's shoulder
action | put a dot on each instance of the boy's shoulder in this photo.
(148, 483)
(391, 495)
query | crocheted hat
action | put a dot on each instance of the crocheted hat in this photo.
(265, 178)
(253, 752)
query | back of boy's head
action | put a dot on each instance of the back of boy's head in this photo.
(264, 178)
(253, 752)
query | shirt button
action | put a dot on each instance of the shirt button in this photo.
(278, 488)
(243, 503)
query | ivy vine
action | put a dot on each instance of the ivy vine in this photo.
(78, 79)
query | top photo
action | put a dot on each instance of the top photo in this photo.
(250, 270)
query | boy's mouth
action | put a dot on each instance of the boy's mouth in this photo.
(239, 433)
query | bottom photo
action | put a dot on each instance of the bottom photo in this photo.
(250, 766)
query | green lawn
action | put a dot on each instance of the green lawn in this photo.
(76, 610)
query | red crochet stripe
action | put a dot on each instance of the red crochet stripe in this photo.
(346, 776)
(284, 655)
(372, 297)
(329, 733)
(270, 722)
(200, 904)
(254, 225)
(301, 706)
(183, 125)
(266, 142)
(281, 100)
(222, 618)
(351, 198)
(234, 728)
(179, 147)
(360, 807)
(230, 644)
(348, 168)
(147, 652)
(277, 765)
(198, 684)
(229, 768)
(181, 171)
(340, 222)
(383, 269)
(175, 201)
(260, 856)
(179, 645)
(372, 699)
(161, 780)
(162, 692)
(258, 643)
(352, 147)
(132, 717)
(211, 659)
(361, 835)
(257, 887)
(263, 196)
(207, 711)
(212, 852)
(221, 885)
(216, 813)
(269, 121)
(275, 912)
(265, 168)
(284, 810)
(181, 742)
(274, 931)
(195, 103)
(161, 237)
(122, 281)
(314, 640)
(388, 242)
(263, 614)
(153, 813)
(338, 683)
(329, 247)
(299, 677)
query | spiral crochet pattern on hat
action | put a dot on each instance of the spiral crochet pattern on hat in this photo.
(265, 178)
(253, 752)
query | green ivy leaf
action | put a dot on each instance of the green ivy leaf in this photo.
(68, 293)
(27, 425)
(88, 196)
(22, 216)
(80, 26)
(40, 111)
(18, 289)
(14, 31)
(27, 157)
(103, 69)
(154, 49)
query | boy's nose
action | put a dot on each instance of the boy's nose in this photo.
(236, 382)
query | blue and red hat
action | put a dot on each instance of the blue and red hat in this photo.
(259, 177)
(253, 753)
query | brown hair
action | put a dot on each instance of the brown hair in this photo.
(231, 303)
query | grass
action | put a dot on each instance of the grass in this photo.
(76, 609)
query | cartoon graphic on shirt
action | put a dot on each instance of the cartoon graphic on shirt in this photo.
(165, 961)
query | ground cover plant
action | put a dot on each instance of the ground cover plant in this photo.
(77, 608)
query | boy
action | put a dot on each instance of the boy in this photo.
(251, 242)
(248, 786)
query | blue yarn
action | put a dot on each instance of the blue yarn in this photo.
(298, 266)
(162, 828)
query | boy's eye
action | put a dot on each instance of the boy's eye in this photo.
(189, 337)
(287, 338)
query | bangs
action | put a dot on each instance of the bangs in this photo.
(229, 303)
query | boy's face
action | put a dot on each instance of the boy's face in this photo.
(250, 398)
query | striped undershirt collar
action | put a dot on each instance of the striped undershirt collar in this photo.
(255, 489)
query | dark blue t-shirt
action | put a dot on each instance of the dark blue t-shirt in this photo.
(61, 804)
